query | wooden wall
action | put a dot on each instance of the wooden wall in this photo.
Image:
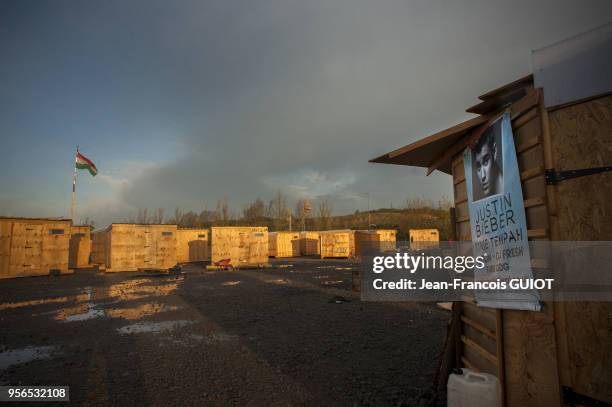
(98, 247)
(33, 247)
(242, 246)
(421, 239)
(337, 243)
(310, 243)
(518, 346)
(192, 245)
(581, 137)
(130, 247)
(80, 246)
(387, 239)
(284, 244)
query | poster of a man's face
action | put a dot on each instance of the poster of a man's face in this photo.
(487, 164)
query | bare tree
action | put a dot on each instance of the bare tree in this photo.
(178, 216)
(277, 209)
(418, 203)
(255, 210)
(324, 210)
(160, 216)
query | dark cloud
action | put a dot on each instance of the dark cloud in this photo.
(263, 95)
(307, 92)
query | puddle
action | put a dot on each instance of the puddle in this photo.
(20, 356)
(278, 281)
(218, 337)
(140, 311)
(344, 268)
(326, 267)
(56, 300)
(231, 283)
(197, 339)
(141, 288)
(332, 282)
(284, 266)
(321, 276)
(82, 312)
(153, 327)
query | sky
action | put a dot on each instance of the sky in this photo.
(183, 103)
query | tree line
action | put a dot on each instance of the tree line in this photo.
(278, 215)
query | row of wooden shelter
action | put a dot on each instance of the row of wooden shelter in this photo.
(343, 243)
(31, 247)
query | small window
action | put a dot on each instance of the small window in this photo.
(78, 234)
(56, 231)
(202, 236)
(166, 233)
(259, 234)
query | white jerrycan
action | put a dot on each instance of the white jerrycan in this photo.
(468, 388)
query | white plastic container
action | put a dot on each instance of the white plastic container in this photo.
(473, 389)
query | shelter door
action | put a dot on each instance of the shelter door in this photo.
(150, 249)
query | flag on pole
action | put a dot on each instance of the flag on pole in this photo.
(84, 163)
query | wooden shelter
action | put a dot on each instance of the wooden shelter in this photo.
(387, 239)
(337, 243)
(367, 242)
(80, 246)
(239, 246)
(131, 247)
(310, 243)
(421, 239)
(563, 353)
(192, 245)
(284, 244)
(34, 247)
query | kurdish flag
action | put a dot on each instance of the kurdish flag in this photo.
(84, 163)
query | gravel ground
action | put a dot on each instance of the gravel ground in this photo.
(291, 335)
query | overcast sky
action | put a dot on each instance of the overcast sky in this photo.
(181, 103)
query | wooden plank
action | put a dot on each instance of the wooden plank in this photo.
(459, 128)
(534, 233)
(525, 118)
(527, 145)
(525, 81)
(482, 351)
(516, 110)
(468, 364)
(490, 333)
(501, 367)
(460, 201)
(532, 173)
(540, 200)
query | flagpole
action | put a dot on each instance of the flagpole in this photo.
(74, 177)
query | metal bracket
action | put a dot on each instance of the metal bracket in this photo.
(571, 398)
(554, 177)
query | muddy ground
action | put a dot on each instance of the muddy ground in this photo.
(292, 335)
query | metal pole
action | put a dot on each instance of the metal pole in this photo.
(289, 219)
(369, 222)
(74, 177)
